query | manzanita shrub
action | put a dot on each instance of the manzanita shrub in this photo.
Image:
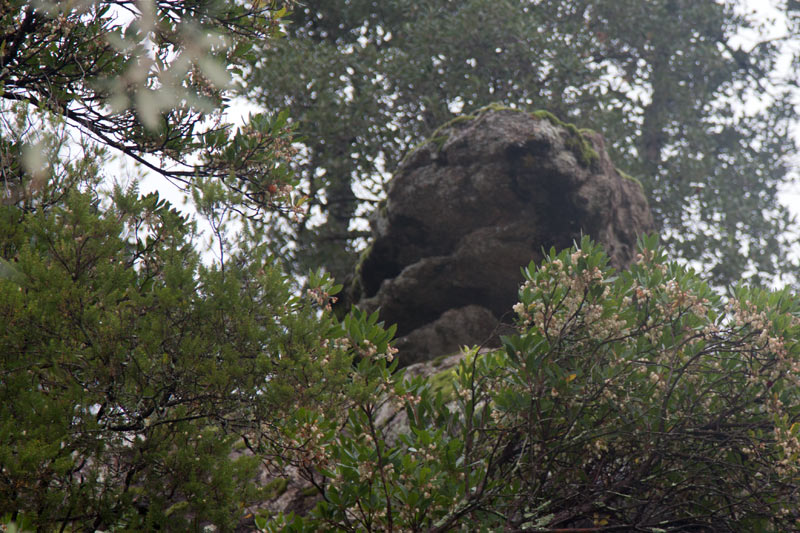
(142, 389)
(634, 400)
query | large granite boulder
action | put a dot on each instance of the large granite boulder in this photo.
(481, 198)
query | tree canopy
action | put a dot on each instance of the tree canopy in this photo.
(147, 79)
(129, 369)
(663, 81)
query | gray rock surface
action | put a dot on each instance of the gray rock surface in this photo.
(482, 198)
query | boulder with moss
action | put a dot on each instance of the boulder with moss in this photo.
(465, 210)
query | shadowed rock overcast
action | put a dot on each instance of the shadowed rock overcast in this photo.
(483, 196)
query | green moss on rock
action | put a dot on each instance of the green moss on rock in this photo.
(439, 141)
(439, 138)
(362, 256)
(583, 150)
(628, 177)
(576, 142)
(495, 106)
(541, 114)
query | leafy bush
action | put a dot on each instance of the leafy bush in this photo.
(130, 371)
(142, 389)
(636, 400)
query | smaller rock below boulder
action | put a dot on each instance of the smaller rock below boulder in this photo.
(469, 325)
(393, 419)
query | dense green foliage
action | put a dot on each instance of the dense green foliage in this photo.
(147, 79)
(635, 401)
(143, 387)
(662, 80)
(131, 372)
(130, 369)
(137, 381)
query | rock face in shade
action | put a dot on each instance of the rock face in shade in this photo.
(483, 197)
